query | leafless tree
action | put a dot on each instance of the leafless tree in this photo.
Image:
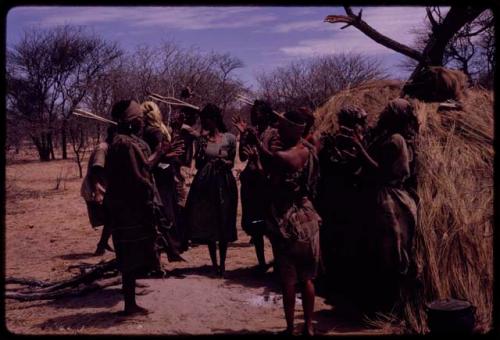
(310, 82)
(82, 59)
(471, 50)
(31, 76)
(170, 68)
(79, 142)
(434, 50)
(48, 75)
(225, 65)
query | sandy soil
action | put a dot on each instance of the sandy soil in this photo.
(47, 230)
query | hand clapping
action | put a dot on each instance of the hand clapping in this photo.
(239, 123)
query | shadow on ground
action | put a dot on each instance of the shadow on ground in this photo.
(77, 256)
(241, 332)
(105, 298)
(79, 321)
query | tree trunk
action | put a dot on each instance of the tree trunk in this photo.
(51, 146)
(455, 19)
(64, 139)
(42, 147)
(79, 162)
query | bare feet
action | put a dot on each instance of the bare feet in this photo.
(141, 285)
(286, 332)
(144, 291)
(135, 310)
(261, 269)
(99, 251)
(308, 330)
(221, 271)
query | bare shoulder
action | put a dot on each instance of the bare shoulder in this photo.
(397, 140)
(295, 158)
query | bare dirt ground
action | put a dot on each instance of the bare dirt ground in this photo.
(47, 230)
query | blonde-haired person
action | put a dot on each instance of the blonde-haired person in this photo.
(154, 118)
(156, 134)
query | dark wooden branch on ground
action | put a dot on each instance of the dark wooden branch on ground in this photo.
(67, 292)
(86, 281)
(26, 282)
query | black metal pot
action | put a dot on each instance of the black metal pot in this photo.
(450, 316)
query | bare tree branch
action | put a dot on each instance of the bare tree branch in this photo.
(356, 21)
(432, 20)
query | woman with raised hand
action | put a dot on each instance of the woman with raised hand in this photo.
(254, 184)
(165, 174)
(293, 224)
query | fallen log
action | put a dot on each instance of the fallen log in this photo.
(67, 292)
(26, 282)
(98, 271)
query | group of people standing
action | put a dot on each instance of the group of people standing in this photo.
(341, 205)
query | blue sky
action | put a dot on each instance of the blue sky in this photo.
(262, 37)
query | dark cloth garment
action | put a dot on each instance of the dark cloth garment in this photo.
(293, 223)
(129, 200)
(254, 202)
(339, 205)
(391, 218)
(97, 161)
(395, 209)
(188, 135)
(213, 198)
(152, 136)
(296, 246)
(165, 176)
(97, 214)
(95, 173)
(254, 189)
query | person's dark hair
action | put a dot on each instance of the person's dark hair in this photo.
(118, 109)
(190, 115)
(351, 115)
(398, 117)
(264, 107)
(295, 117)
(309, 119)
(212, 111)
(110, 134)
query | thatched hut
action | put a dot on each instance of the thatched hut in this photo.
(454, 236)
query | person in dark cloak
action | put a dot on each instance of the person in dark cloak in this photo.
(339, 204)
(93, 190)
(130, 200)
(390, 203)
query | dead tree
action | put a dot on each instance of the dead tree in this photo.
(433, 52)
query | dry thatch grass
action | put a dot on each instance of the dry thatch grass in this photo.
(453, 242)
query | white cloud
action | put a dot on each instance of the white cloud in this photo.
(305, 25)
(184, 18)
